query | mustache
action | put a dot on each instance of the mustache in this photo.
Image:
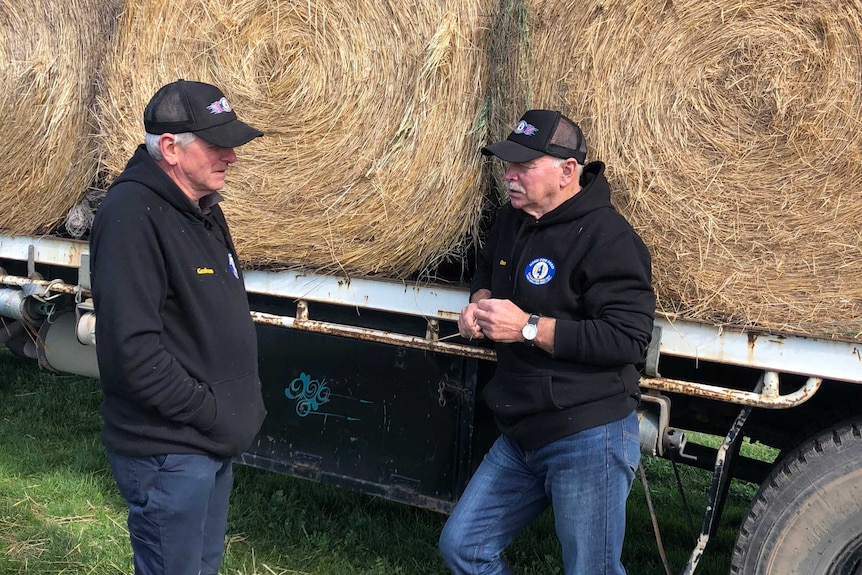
(514, 187)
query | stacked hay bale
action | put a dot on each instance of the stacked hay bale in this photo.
(731, 131)
(372, 113)
(50, 54)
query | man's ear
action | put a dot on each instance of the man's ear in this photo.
(569, 172)
(169, 148)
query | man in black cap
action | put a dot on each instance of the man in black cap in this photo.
(176, 346)
(564, 289)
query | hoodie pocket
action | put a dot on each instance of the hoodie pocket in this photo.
(239, 413)
(518, 395)
(585, 387)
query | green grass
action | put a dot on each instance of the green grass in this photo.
(60, 511)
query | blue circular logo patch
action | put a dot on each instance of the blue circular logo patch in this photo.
(540, 271)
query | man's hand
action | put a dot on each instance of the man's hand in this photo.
(500, 320)
(468, 326)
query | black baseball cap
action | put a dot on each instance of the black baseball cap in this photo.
(186, 106)
(541, 132)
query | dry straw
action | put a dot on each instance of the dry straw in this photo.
(731, 131)
(372, 111)
(50, 54)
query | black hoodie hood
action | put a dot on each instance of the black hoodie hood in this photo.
(595, 193)
(143, 169)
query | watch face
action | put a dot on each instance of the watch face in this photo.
(529, 332)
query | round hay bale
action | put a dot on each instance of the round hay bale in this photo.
(731, 130)
(372, 112)
(50, 53)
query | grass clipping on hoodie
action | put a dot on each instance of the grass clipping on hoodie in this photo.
(371, 111)
(49, 60)
(731, 132)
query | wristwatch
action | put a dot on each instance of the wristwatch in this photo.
(531, 330)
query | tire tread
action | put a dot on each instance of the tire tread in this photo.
(813, 459)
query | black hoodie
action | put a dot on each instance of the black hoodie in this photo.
(176, 346)
(584, 265)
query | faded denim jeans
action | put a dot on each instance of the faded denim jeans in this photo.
(178, 506)
(586, 477)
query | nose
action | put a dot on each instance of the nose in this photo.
(228, 155)
(509, 174)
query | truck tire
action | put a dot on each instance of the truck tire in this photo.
(807, 516)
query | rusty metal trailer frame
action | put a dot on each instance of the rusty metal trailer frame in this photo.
(774, 353)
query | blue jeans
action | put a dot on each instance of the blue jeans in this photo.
(586, 477)
(177, 511)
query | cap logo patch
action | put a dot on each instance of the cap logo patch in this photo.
(540, 271)
(526, 128)
(219, 106)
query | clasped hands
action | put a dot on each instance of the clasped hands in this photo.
(497, 319)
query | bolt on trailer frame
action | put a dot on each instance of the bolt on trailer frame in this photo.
(395, 349)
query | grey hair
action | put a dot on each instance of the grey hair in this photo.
(152, 141)
(559, 162)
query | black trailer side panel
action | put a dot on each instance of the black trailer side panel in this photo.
(371, 417)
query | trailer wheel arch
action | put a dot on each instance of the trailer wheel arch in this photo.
(807, 516)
